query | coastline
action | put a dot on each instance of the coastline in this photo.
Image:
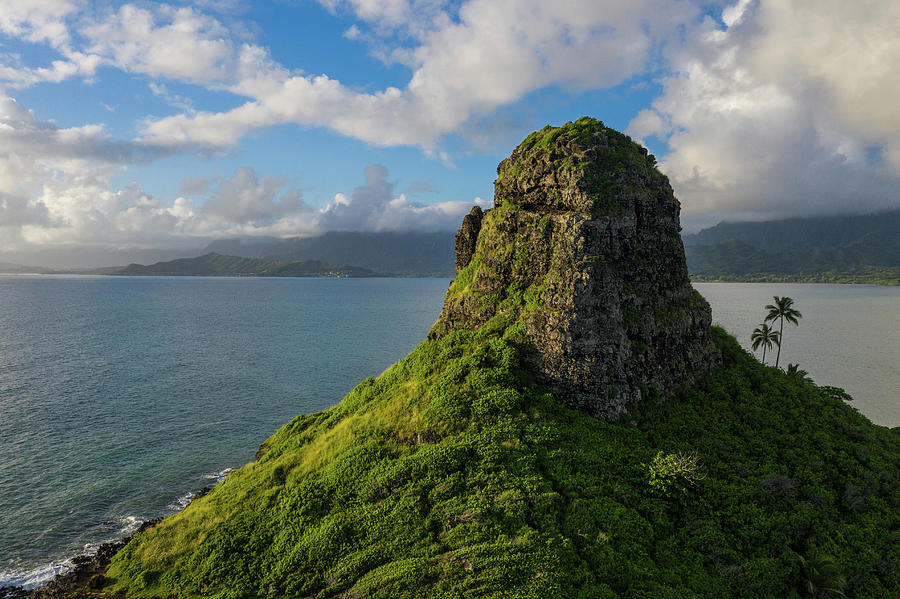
(827, 278)
(85, 571)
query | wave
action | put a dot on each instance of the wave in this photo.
(124, 527)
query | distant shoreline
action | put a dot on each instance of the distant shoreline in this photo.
(234, 276)
(814, 279)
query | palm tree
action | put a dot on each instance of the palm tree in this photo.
(795, 372)
(820, 575)
(781, 310)
(766, 337)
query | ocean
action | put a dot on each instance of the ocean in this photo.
(120, 397)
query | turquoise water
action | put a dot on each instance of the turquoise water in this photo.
(121, 396)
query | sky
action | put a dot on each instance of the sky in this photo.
(147, 126)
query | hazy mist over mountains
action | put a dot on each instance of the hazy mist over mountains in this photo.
(791, 245)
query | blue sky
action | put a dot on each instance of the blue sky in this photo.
(166, 125)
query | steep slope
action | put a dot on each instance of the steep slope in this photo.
(456, 474)
(452, 475)
(583, 244)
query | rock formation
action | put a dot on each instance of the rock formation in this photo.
(581, 261)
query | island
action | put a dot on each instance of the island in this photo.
(572, 426)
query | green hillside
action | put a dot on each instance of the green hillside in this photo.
(456, 474)
(453, 475)
(837, 249)
(213, 264)
(735, 260)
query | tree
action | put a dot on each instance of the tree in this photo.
(820, 575)
(765, 336)
(795, 372)
(781, 310)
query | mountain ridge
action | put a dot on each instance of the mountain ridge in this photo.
(409, 253)
(853, 248)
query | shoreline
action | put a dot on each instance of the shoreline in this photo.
(87, 566)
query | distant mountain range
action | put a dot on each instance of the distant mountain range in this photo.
(214, 264)
(410, 254)
(847, 249)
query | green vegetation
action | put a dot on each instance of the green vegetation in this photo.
(766, 337)
(783, 309)
(839, 249)
(794, 371)
(886, 276)
(453, 475)
(616, 155)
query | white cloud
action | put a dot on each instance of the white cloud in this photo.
(169, 42)
(55, 191)
(38, 20)
(246, 198)
(779, 113)
(493, 55)
(374, 206)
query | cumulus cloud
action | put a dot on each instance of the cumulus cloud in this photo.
(55, 191)
(246, 198)
(788, 110)
(165, 41)
(38, 20)
(374, 206)
(467, 60)
(490, 55)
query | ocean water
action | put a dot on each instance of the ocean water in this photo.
(849, 336)
(120, 397)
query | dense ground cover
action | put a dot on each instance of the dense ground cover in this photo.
(454, 475)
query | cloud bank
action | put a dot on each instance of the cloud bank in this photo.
(768, 108)
(788, 110)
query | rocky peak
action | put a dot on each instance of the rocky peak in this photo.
(581, 262)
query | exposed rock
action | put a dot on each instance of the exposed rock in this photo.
(467, 236)
(581, 259)
(86, 578)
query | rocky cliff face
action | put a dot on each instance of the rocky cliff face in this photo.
(580, 261)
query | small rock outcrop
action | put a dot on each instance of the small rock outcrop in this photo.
(581, 261)
(467, 236)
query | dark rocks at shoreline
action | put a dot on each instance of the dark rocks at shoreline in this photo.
(14, 593)
(87, 575)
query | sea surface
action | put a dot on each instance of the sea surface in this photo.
(120, 396)
(849, 336)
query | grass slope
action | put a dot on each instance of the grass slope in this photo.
(453, 475)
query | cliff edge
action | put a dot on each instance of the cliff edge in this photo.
(582, 248)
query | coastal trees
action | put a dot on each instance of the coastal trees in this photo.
(795, 372)
(764, 336)
(781, 310)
